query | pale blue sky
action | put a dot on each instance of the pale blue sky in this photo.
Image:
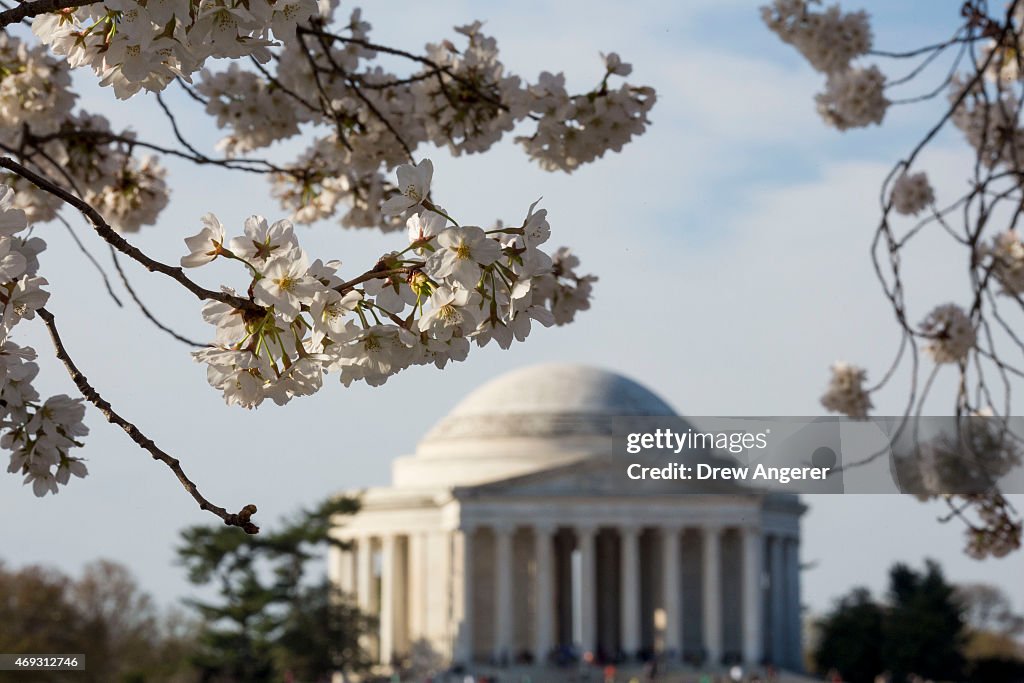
(731, 242)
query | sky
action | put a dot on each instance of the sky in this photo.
(731, 241)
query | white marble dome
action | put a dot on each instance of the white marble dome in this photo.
(527, 420)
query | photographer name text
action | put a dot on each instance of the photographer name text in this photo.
(706, 472)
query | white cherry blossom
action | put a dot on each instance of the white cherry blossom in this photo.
(24, 299)
(413, 186)
(453, 311)
(331, 314)
(206, 245)
(461, 254)
(12, 220)
(12, 262)
(286, 284)
(263, 241)
(425, 225)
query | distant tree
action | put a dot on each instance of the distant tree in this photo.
(923, 630)
(104, 615)
(993, 652)
(919, 630)
(988, 609)
(851, 638)
(37, 616)
(320, 634)
(268, 622)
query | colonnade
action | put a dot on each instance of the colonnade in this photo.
(505, 592)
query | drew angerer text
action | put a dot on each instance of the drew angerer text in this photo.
(706, 472)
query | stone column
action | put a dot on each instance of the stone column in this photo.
(588, 593)
(672, 590)
(629, 589)
(401, 597)
(794, 630)
(417, 586)
(463, 595)
(503, 608)
(348, 570)
(364, 573)
(334, 567)
(543, 629)
(712, 594)
(364, 585)
(777, 585)
(565, 590)
(386, 620)
(752, 595)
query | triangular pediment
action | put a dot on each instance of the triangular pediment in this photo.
(598, 477)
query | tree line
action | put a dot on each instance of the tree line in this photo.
(270, 616)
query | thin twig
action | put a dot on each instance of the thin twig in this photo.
(92, 260)
(260, 166)
(142, 307)
(242, 519)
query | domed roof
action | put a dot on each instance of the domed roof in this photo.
(529, 419)
(556, 388)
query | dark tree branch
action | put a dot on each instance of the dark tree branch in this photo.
(31, 9)
(242, 519)
(121, 244)
(434, 66)
(375, 274)
(260, 166)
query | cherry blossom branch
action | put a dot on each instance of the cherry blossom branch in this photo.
(985, 102)
(199, 156)
(242, 519)
(123, 276)
(121, 244)
(192, 154)
(365, 100)
(908, 54)
(273, 80)
(377, 112)
(375, 274)
(438, 68)
(435, 68)
(325, 98)
(31, 9)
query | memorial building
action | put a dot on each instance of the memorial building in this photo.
(512, 535)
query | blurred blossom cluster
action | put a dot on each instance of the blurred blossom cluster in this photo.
(36, 105)
(39, 434)
(981, 67)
